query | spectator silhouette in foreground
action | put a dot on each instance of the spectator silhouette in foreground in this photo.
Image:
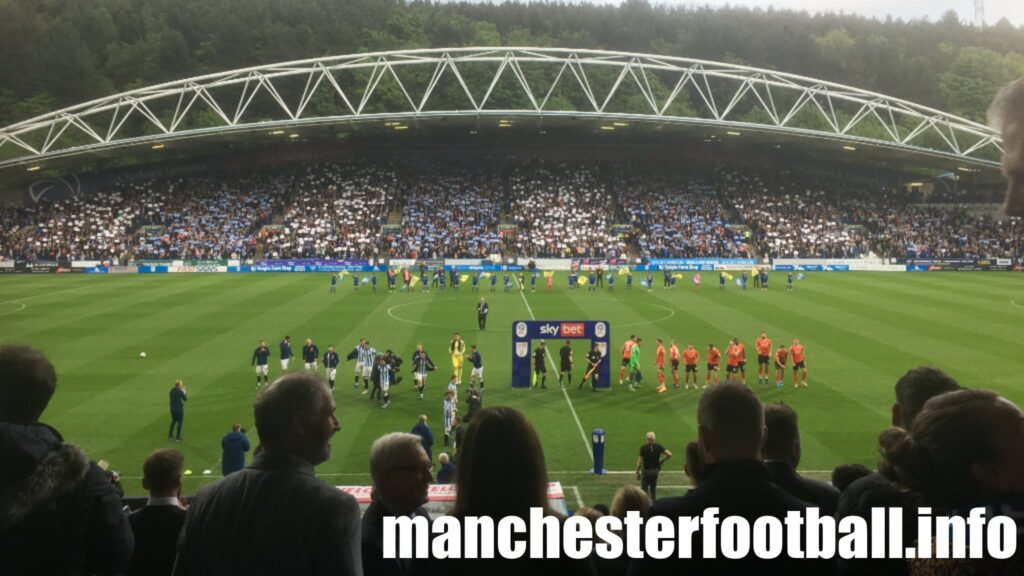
(234, 445)
(782, 455)
(59, 513)
(846, 474)
(502, 473)
(913, 389)
(401, 477)
(693, 464)
(158, 524)
(275, 516)
(1007, 115)
(627, 499)
(446, 472)
(964, 451)
(730, 431)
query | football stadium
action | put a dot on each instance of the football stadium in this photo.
(605, 270)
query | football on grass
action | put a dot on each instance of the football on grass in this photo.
(142, 354)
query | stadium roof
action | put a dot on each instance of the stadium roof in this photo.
(591, 97)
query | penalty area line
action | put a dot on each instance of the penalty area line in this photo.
(572, 409)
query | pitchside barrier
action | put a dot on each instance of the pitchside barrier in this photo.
(468, 266)
(441, 497)
(526, 332)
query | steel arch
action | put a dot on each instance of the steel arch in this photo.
(548, 82)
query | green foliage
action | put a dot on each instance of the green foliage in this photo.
(63, 52)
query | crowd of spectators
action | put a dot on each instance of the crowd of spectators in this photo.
(205, 218)
(450, 211)
(562, 210)
(677, 215)
(798, 216)
(559, 209)
(945, 232)
(335, 210)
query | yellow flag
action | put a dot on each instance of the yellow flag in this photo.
(463, 277)
(623, 271)
(342, 275)
(728, 276)
(415, 279)
(548, 274)
(677, 276)
(487, 274)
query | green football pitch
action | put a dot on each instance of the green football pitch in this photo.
(861, 332)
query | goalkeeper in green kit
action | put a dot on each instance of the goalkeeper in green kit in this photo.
(634, 367)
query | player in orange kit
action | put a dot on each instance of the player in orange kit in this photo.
(732, 360)
(764, 353)
(673, 356)
(690, 358)
(741, 361)
(627, 351)
(780, 365)
(714, 359)
(797, 350)
(659, 363)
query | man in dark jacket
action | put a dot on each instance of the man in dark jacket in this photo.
(59, 513)
(234, 445)
(275, 516)
(782, 456)
(426, 436)
(158, 525)
(913, 390)
(401, 476)
(730, 429)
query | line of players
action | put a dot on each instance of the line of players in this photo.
(381, 369)
(736, 363)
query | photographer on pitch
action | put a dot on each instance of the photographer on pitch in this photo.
(234, 444)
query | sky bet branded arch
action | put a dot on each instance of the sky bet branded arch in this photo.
(527, 334)
(496, 87)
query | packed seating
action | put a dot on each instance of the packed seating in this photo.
(677, 215)
(454, 209)
(795, 216)
(203, 218)
(335, 210)
(450, 210)
(562, 209)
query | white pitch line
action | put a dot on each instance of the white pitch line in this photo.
(547, 352)
(579, 499)
(21, 301)
(1014, 302)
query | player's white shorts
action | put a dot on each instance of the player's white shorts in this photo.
(331, 373)
(311, 366)
(420, 377)
(448, 423)
(262, 369)
(365, 371)
(284, 363)
(385, 386)
(477, 373)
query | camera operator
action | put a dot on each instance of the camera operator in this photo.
(235, 445)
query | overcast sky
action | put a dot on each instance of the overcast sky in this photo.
(1013, 10)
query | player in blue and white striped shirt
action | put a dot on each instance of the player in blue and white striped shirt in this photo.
(421, 364)
(384, 371)
(367, 358)
(451, 404)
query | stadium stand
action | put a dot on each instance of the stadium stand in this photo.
(450, 209)
(562, 209)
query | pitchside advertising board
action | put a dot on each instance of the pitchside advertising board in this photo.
(527, 334)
